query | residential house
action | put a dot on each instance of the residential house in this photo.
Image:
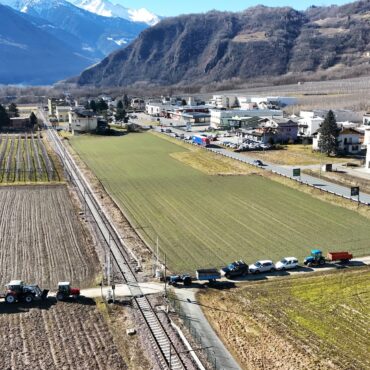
(53, 103)
(349, 141)
(308, 124)
(19, 123)
(82, 120)
(62, 113)
(366, 119)
(138, 104)
(224, 101)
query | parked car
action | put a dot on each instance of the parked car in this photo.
(287, 263)
(258, 162)
(262, 266)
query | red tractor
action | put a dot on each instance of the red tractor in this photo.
(18, 291)
(65, 291)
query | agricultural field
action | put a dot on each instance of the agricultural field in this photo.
(42, 240)
(205, 219)
(65, 335)
(24, 159)
(317, 322)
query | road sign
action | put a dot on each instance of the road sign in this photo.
(355, 191)
(296, 172)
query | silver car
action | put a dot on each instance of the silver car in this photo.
(262, 266)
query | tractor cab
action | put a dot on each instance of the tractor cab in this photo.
(16, 286)
(315, 258)
(65, 291)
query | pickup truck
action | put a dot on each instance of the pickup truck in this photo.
(235, 269)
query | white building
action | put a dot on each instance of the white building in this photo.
(82, 120)
(308, 124)
(224, 101)
(138, 104)
(154, 109)
(221, 118)
(62, 113)
(341, 115)
(349, 141)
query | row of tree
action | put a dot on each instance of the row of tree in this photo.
(101, 107)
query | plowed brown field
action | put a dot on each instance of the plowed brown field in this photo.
(41, 239)
(66, 336)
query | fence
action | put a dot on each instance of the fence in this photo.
(204, 349)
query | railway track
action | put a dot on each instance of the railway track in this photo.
(165, 350)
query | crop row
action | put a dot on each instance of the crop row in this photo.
(24, 158)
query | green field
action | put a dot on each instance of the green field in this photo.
(208, 220)
(310, 322)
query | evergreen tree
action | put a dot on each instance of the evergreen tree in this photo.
(87, 105)
(4, 118)
(33, 120)
(101, 106)
(121, 114)
(93, 106)
(120, 105)
(328, 142)
(13, 109)
(126, 101)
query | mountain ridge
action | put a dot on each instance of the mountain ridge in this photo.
(258, 42)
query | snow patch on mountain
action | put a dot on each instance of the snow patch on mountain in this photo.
(107, 9)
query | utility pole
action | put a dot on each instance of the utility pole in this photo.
(165, 276)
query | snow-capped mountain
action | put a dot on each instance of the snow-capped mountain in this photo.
(97, 35)
(107, 9)
(87, 35)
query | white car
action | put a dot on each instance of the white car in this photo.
(287, 263)
(262, 266)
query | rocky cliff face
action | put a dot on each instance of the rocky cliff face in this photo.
(258, 42)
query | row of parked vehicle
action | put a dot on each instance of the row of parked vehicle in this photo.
(239, 268)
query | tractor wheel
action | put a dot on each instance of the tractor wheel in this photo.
(28, 298)
(309, 264)
(322, 262)
(227, 276)
(10, 299)
(60, 297)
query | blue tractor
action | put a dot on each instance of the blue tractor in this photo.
(315, 259)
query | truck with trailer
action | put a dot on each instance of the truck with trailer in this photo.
(210, 275)
(200, 140)
(317, 259)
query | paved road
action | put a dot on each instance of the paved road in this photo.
(193, 311)
(305, 179)
(287, 171)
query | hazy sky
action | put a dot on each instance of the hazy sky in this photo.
(175, 7)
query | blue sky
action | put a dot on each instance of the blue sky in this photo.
(176, 7)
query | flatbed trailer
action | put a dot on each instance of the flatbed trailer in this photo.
(343, 257)
(208, 274)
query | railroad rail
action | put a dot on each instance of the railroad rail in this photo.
(165, 350)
